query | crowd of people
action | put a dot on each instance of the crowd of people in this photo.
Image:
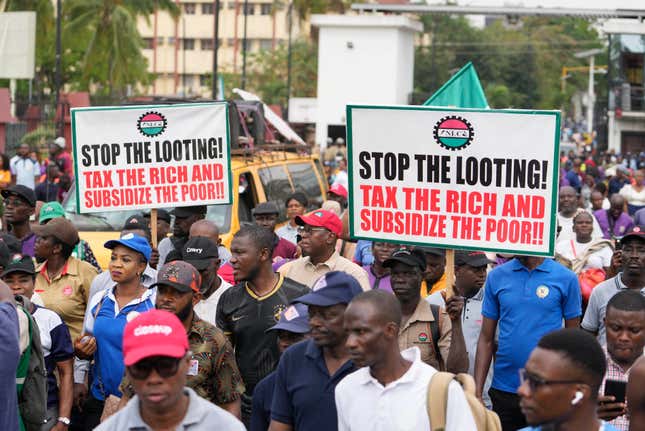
(299, 328)
(50, 178)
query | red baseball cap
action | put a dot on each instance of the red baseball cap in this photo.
(322, 218)
(154, 333)
(339, 190)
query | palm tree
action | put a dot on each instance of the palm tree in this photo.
(112, 43)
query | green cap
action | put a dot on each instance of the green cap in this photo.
(50, 210)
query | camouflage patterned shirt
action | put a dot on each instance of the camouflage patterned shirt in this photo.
(213, 373)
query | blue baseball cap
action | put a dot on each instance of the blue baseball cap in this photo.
(333, 288)
(294, 319)
(133, 242)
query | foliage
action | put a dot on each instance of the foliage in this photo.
(304, 8)
(100, 40)
(39, 137)
(268, 72)
(112, 59)
(518, 66)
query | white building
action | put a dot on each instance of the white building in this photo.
(363, 59)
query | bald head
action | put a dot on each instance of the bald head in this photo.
(617, 200)
(384, 305)
(205, 228)
(568, 201)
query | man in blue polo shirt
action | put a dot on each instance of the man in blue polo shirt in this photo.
(309, 371)
(528, 297)
(292, 328)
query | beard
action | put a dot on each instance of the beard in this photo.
(184, 313)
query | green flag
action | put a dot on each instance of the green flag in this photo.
(463, 90)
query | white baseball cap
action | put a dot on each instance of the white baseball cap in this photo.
(60, 141)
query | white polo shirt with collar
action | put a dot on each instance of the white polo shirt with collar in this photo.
(363, 404)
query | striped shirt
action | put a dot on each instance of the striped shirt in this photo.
(615, 372)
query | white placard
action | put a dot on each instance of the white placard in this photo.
(454, 178)
(142, 157)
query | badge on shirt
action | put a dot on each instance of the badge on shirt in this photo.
(131, 315)
(277, 311)
(67, 290)
(542, 292)
(423, 337)
(194, 367)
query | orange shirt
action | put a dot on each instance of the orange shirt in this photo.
(438, 286)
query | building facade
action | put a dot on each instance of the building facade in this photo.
(180, 52)
(626, 115)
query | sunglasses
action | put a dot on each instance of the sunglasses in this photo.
(536, 382)
(309, 229)
(163, 365)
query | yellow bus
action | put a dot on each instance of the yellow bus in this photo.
(257, 176)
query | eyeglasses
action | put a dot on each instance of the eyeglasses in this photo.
(309, 229)
(163, 365)
(536, 382)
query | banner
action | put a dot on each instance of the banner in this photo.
(157, 156)
(462, 90)
(459, 178)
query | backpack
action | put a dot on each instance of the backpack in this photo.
(31, 376)
(486, 420)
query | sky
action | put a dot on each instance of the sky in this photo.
(587, 4)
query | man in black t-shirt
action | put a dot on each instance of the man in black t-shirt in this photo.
(246, 310)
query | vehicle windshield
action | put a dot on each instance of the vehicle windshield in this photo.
(114, 220)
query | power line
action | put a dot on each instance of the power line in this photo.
(520, 43)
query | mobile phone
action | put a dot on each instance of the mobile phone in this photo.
(617, 389)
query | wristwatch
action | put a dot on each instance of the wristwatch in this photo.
(64, 420)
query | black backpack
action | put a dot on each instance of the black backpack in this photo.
(31, 378)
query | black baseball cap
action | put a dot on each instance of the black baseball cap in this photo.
(22, 192)
(433, 251)
(634, 232)
(413, 257)
(161, 215)
(199, 252)
(19, 263)
(472, 258)
(136, 221)
(265, 208)
(184, 212)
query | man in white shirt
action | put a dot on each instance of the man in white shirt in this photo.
(567, 209)
(24, 170)
(390, 391)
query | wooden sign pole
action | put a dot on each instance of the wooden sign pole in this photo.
(153, 227)
(450, 272)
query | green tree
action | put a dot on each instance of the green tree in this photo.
(112, 58)
(268, 72)
(521, 65)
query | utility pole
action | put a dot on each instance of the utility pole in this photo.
(57, 73)
(244, 44)
(591, 54)
(215, 47)
(289, 54)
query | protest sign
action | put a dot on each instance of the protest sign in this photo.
(454, 178)
(140, 157)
